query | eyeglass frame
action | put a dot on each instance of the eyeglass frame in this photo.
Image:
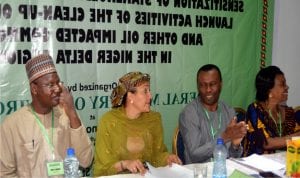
(50, 86)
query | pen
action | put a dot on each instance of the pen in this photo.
(145, 165)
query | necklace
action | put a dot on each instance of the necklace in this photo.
(279, 130)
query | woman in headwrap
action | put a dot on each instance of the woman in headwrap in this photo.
(130, 133)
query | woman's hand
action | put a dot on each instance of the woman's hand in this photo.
(134, 166)
(173, 159)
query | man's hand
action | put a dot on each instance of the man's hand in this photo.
(235, 131)
(66, 101)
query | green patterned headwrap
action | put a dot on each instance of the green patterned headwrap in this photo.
(126, 84)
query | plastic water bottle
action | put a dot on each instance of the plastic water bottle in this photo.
(220, 155)
(71, 164)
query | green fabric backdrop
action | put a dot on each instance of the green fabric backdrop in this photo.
(96, 42)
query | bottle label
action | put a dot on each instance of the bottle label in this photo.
(55, 168)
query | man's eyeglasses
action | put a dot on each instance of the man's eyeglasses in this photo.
(51, 86)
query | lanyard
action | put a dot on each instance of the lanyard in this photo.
(279, 130)
(212, 129)
(45, 134)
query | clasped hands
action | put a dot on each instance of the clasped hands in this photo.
(235, 132)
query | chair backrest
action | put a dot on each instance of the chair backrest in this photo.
(297, 114)
(177, 145)
(240, 114)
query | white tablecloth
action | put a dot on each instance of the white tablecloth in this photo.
(231, 166)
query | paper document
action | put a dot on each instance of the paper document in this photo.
(262, 163)
(174, 171)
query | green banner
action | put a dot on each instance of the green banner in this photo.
(95, 42)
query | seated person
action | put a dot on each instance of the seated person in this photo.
(297, 117)
(270, 121)
(206, 118)
(130, 133)
(40, 133)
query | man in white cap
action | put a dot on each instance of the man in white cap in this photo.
(35, 138)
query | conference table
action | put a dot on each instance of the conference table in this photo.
(232, 165)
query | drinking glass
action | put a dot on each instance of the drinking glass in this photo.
(200, 171)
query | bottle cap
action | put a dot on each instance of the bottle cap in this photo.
(220, 141)
(70, 152)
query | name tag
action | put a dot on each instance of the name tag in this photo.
(55, 168)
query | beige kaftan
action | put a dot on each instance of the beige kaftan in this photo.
(24, 149)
